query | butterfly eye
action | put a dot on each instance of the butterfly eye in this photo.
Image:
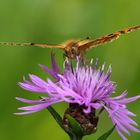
(74, 50)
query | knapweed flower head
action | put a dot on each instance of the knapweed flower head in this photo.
(84, 85)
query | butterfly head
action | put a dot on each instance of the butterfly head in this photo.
(72, 49)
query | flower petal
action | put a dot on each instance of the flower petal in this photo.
(54, 65)
(28, 101)
(32, 88)
(38, 82)
(38, 107)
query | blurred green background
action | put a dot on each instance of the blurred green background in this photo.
(53, 22)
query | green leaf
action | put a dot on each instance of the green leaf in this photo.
(75, 126)
(107, 134)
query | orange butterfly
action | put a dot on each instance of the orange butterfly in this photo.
(73, 48)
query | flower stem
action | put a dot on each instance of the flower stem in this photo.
(74, 137)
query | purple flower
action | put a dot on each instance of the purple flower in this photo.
(84, 85)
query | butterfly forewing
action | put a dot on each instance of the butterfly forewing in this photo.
(105, 39)
(73, 48)
(31, 44)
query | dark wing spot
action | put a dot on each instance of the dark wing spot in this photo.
(110, 34)
(88, 37)
(32, 44)
(122, 32)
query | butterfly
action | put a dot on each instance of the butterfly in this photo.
(74, 48)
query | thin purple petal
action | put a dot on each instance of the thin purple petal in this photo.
(50, 72)
(54, 65)
(28, 101)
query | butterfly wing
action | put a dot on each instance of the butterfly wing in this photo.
(30, 44)
(83, 46)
